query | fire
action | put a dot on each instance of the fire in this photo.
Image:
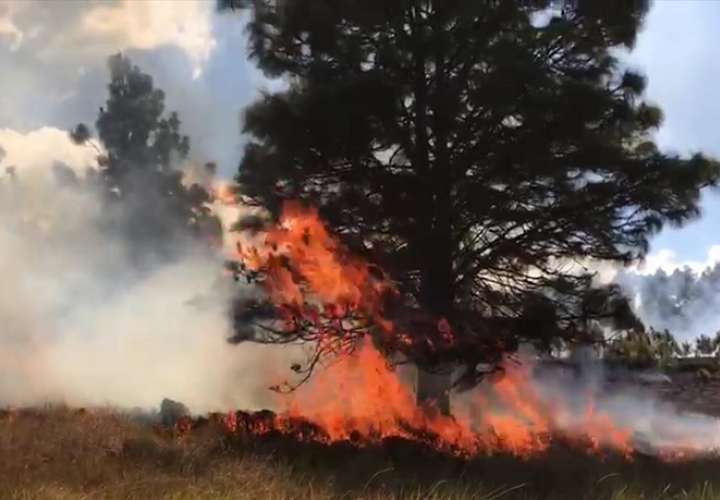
(360, 397)
(223, 192)
(332, 275)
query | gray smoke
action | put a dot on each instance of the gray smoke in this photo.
(684, 301)
(585, 397)
(80, 324)
(632, 403)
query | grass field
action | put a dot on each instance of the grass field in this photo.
(65, 454)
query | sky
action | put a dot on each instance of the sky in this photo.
(678, 52)
(53, 59)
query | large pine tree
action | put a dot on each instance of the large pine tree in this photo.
(472, 150)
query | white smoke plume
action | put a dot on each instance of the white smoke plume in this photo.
(680, 296)
(80, 325)
(655, 424)
(589, 398)
(667, 292)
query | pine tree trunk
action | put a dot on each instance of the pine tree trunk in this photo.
(433, 391)
(436, 294)
(436, 297)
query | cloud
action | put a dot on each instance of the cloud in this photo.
(86, 31)
(8, 29)
(669, 261)
(35, 151)
(153, 23)
(677, 50)
(55, 57)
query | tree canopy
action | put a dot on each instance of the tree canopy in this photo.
(480, 156)
(147, 200)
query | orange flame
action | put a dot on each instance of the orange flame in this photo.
(360, 397)
(223, 192)
(333, 276)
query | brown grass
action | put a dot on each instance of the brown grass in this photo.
(65, 454)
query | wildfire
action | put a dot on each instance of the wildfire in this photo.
(332, 276)
(359, 397)
(223, 193)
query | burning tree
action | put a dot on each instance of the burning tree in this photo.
(479, 155)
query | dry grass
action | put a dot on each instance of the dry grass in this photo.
(65, 454)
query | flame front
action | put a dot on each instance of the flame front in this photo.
(332, 276)
(360, 397)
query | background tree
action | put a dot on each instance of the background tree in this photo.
(704, 345)
(684, 301)
(666, 347)
(686, 349)
(471, 152)
(716, 341)
(147, 201)
(634, 349)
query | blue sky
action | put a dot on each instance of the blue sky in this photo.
(52, 54)
(678, 51)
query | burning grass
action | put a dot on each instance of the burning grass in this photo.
(63, 453)
(307, 270)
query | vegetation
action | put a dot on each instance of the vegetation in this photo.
(681, 301)
(473, 153)
(68, 454)
(654, 348)
(147, 201)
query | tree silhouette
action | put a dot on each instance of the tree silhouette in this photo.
(643, 349)
(683, 301)
(472, 152)
(686, 349)
(147, 201)
(704, 345)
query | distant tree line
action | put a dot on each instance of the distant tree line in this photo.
(646, 348)
(684, 301)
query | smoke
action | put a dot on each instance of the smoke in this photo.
(82, 325)
(588, 398)
(667, 293)
(682, 297)
(654, 424)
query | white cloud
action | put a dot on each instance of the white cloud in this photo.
(153, 23)
(677, 51)
(668, 260)
(87, 31)
(55, 55)
(35, 151)
(8, 29)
